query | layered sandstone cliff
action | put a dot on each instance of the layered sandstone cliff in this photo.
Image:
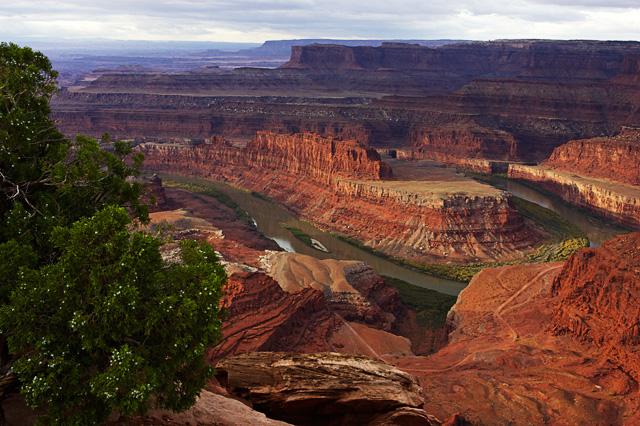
(343, 192)
(615, 158)
(320, 158)
(617, 201)
(336, 305)
(304, 154)
(352, 288)
(514, 100)
(539, 58)
(463, 142)
(262, 317)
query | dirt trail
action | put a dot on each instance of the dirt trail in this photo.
(500, 309)
(497, 313)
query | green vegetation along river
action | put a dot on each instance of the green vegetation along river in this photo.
(295, 235)
(276, 222)
(596, 229)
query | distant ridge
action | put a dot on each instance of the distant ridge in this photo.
(283, 47)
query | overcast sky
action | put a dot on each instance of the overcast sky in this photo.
(259, 20)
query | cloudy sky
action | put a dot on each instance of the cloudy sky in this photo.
(259, 20)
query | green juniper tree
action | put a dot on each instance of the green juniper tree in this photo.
(92, 320)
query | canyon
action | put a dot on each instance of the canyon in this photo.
(600, 174)
(547, 344)
(502, 100)
(340, 306)
(614, 158)
(535, 338)
(421, 215)
(395, 149)
(528, 336)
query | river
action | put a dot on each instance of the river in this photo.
(597, 230)
(273, 219)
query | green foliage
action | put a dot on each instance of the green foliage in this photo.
(47, 180)
(109, 325)
(300, 234)
(431, 306)
(559, 227)
(209, 190)
(94, 318)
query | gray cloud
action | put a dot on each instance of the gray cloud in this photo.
(257, 20)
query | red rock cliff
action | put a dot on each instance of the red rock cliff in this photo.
(262, 317)
(598, 294)
(616, 201)
(406, 219)
(615, 158)
(462, 142)
(555, 343)
(540, 58)
(515, 100)
(305, 154)
(316, 156)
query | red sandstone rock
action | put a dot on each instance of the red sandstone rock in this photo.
(598, 294)
(260, 316)
(463, 142)
(353, 289)
(318, 389)
(209, 410)
(616, 158)
(617, 201)
(549, 344)
(318, 157)
(539, 58)
(514, 100)
(239, 242)
(406, 219)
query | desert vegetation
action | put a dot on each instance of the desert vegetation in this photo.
(92, 319)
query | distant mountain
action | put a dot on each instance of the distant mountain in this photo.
(53, 47)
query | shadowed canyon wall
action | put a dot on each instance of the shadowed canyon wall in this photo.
(503, 100)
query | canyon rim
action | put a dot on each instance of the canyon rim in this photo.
(322, 227)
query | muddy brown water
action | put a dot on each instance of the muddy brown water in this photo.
(273, 219)
(596, 229)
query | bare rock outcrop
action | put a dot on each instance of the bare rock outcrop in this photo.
(316, 156)
(260, 316)
(314, 389)
(352, 288)
(598, 294)
(210, 409)
(615, 158)
(509, 100)
(553, 343)
(464, 141)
